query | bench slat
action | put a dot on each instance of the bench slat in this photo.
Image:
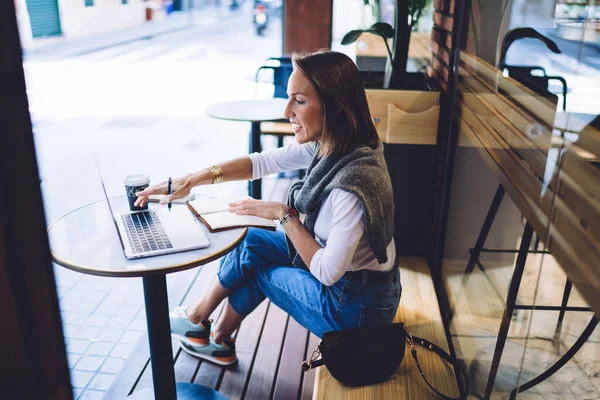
(267, 356)
(236, 375)
(276, 128)
(419, 310)
(289, 375)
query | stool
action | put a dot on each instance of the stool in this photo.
(511, 300)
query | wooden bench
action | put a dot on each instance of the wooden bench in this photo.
(419, 310)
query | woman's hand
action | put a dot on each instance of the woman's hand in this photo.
(266, 209)
(180, 187)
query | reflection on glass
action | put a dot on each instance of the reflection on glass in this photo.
(523, 236)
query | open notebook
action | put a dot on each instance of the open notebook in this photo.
(214, 213)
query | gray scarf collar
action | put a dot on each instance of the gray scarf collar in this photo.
(364, 173)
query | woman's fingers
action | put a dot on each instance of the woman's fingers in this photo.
(260, 208)
(159, 188)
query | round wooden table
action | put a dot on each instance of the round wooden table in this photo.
(255, 112)
(86, 240)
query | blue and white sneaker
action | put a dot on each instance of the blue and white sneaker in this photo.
(186, 331)
(222, 354)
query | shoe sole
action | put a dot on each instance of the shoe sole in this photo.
(190, 341)
(216, 360)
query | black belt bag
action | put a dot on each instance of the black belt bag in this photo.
(369, 355)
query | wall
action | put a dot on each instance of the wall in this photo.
(306, 25)
(23, 24)
(105, 16)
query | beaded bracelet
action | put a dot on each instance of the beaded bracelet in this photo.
(291, 214)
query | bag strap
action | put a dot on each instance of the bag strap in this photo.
(442, 354)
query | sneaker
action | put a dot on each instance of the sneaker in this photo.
(222, 354)
(186, 331)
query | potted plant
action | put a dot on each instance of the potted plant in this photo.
(411, 163)
(407, 15)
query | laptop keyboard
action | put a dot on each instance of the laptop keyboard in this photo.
(145, 232)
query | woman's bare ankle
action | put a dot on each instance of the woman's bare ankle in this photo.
(219, 337)
(193, 315)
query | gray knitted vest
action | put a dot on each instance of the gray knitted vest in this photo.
(363, 173)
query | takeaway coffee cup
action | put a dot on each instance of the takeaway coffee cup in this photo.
(133, 184)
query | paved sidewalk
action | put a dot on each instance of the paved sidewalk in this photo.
(60, 48)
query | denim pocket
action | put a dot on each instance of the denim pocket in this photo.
(377, 316)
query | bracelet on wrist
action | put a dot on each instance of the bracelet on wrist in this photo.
(217, 174)
(291, 214)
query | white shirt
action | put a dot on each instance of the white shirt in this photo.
(339, 227)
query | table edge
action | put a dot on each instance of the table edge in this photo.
(153, 272)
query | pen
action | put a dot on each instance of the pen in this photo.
(169, 192)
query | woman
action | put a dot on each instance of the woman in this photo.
(337, 268)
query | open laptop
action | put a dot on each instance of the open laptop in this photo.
(150, 233)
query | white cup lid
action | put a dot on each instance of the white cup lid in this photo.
(136, 180)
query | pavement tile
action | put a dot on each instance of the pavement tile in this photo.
(89, 363)
(100, 348)
(78, 346)
(69, 330)
(102, 381)
(72, 359)
(138, 324)
(95, 283)
(74, 294)
(86, 306)
(87, 332)
(75, 317)
(110, 334)
(96, 296)
(118, 322)
(80, 379)
(97, 320)
(131, 337)
(77, 392)
(134, 299)
(126, 310)
(91, 395)
(69, 304)
(106, 308)
(112, 365)
(116, 297)
(122, 351)
(133, 286)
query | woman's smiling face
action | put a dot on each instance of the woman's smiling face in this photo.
(304, 109)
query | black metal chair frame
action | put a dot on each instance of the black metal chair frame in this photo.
(281, 75)
(511, 300)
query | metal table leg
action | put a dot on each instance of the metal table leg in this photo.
(254, 187)
(161, 356)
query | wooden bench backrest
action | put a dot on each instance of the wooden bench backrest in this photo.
(405, 116)
(558, 195)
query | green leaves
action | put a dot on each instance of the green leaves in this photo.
(382, 29)
(351, 36)
(385, 29)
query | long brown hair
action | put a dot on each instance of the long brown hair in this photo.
(347, 122)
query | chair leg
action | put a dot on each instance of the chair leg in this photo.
(485, 229)
(280, 144)
(511, 300)
(563, 304)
